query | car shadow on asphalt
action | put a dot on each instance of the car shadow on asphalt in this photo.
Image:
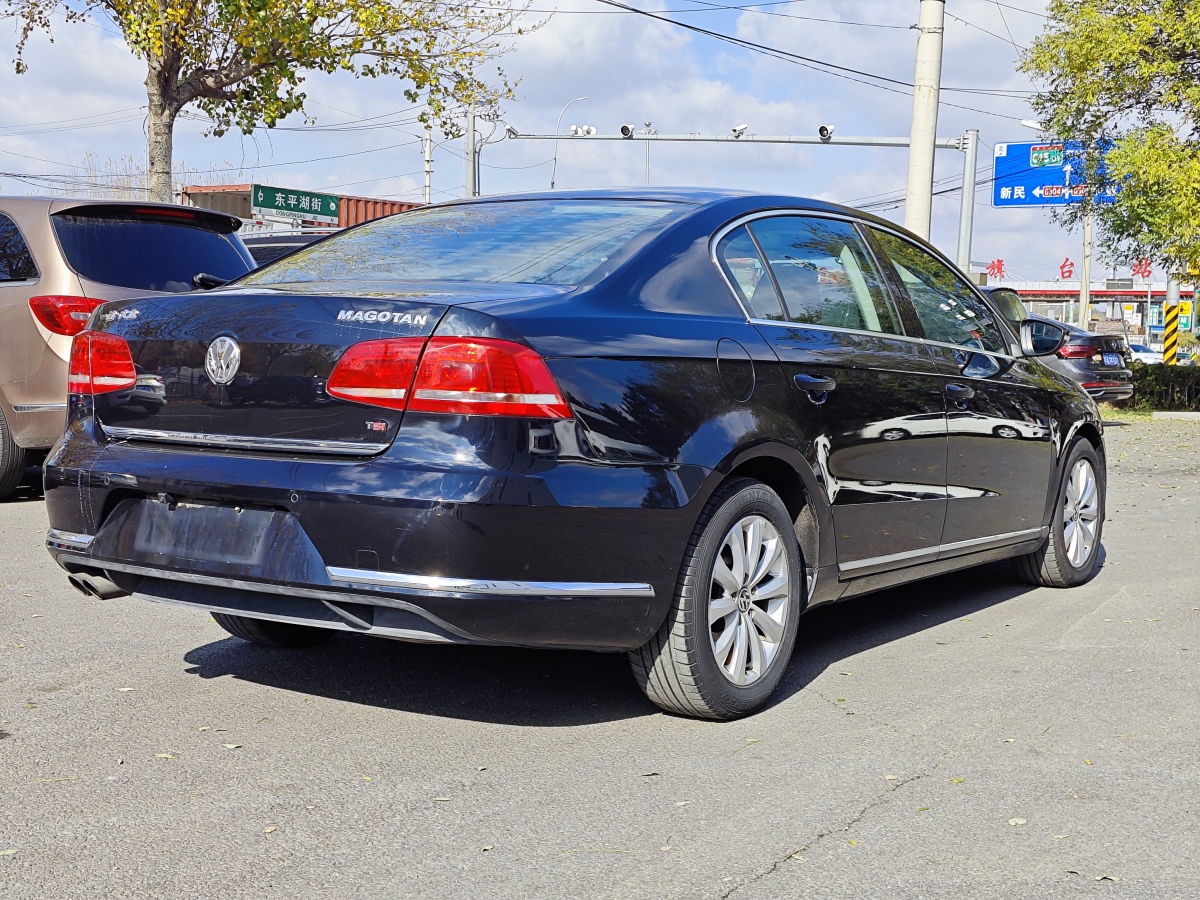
(558, 688)
(30, 487)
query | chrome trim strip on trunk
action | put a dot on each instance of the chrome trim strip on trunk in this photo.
(68, 540)
(440, 585)
(39, 407)
(242, 442)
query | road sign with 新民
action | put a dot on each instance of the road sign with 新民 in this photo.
(1036, 173)
(285, 203)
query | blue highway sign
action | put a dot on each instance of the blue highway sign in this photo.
(1033, 174)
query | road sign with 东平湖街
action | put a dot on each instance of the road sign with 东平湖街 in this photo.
(1037, 173)
(285, 203)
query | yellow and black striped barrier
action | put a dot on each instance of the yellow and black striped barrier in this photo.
(1171, 335)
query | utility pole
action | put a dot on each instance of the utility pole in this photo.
(966, 218)
(649, 130)
(927, 82)
(472, 155)
(428, 166)
(1085, 276)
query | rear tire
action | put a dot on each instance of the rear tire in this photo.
(266, 633)
(729, 634)
(12, 460)
(1069, 556)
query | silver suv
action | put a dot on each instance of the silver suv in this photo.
(59, 260)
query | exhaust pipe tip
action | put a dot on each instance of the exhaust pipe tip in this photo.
(78, 583)
(95, 586)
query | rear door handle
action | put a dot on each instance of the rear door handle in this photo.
(960, 391)
(821, 384)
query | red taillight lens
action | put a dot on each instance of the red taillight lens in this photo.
(1075, 351)
(485, 377)
(379, 373)
(100, 363)
(63, 315)
(463, 376)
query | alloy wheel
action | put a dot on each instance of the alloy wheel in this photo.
(1081, 510)
(749, 600)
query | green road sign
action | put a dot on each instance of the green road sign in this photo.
(286, 203)
(1045, 155)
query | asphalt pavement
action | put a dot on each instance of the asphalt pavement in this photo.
(964, 736)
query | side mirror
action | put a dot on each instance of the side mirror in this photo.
(1040, 338)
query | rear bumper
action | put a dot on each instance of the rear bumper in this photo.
(381, 546)
(1109, 391)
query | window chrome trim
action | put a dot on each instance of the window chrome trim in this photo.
(67, 540)
(38, 407)
(982, 543)
(241, 442)
(448, 585)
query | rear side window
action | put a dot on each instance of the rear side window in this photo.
(151, 250)
(825, 274)
(948, 309)
(16, 262)
(530, 241)
(745, 267)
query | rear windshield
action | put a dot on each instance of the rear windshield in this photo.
(531, 241)
(151, 252)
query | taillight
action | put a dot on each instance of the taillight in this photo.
(485, 377)
(1075, 351)
(379, 373)
(63, 315)
(454, 375)
(100, 363)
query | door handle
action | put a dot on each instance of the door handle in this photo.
(820, 383)
(817, 386)
(960, 393)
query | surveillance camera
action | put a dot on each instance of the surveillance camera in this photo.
(511, 132)
(626, 131)
(739, 130)
(825, 132)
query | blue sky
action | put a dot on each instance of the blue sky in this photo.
(633, 70)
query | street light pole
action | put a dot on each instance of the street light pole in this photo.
(927, 82)
(557, 129)
(428, 166)
(966, 219)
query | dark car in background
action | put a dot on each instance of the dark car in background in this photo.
(1099, 362)
(59, 260)
(661, 422)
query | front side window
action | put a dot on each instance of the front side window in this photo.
(558, 242)
(16, 262)
(745, 267)
(824, 273)
(948, 309)
(1009, 303)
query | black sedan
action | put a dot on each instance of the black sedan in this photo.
(663, 422)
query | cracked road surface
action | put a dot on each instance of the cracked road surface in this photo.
(965, 736)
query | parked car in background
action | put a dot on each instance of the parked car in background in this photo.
(1099, 362)
(1144, 354)
(59, 259)
(662, 422)
(268, 246)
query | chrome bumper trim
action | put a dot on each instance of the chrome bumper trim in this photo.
(39, 407)
(68, 540)
(241, 442)
(446, 585)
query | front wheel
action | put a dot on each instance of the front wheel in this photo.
(1072, 550)
(267, 633)
(729, 634)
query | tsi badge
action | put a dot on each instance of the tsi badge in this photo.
(222, 360)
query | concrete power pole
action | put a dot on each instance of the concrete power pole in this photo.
(472, 155)
(428, 166)
(927, 82)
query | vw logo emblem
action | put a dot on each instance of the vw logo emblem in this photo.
(222, 360)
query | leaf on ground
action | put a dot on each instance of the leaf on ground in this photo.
(270, 829)
(655, 774)
(367, 778)
(841, 699)
(54, 780)
(845, 673)
(441, 799)
(1087, 762)
(1107, 878)
(683, 802)
(797, 855)
(852, 842)
(1017, 821)
(164, 756)
(1009, 741)
(29, 705)
(126, 690)
(11, 851)
(482, 769)
(890, 777)
(487, 848)
(205, 727)
(1059, 837)
(232, 746)
(922, 809)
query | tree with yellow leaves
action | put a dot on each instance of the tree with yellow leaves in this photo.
(242, 61)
